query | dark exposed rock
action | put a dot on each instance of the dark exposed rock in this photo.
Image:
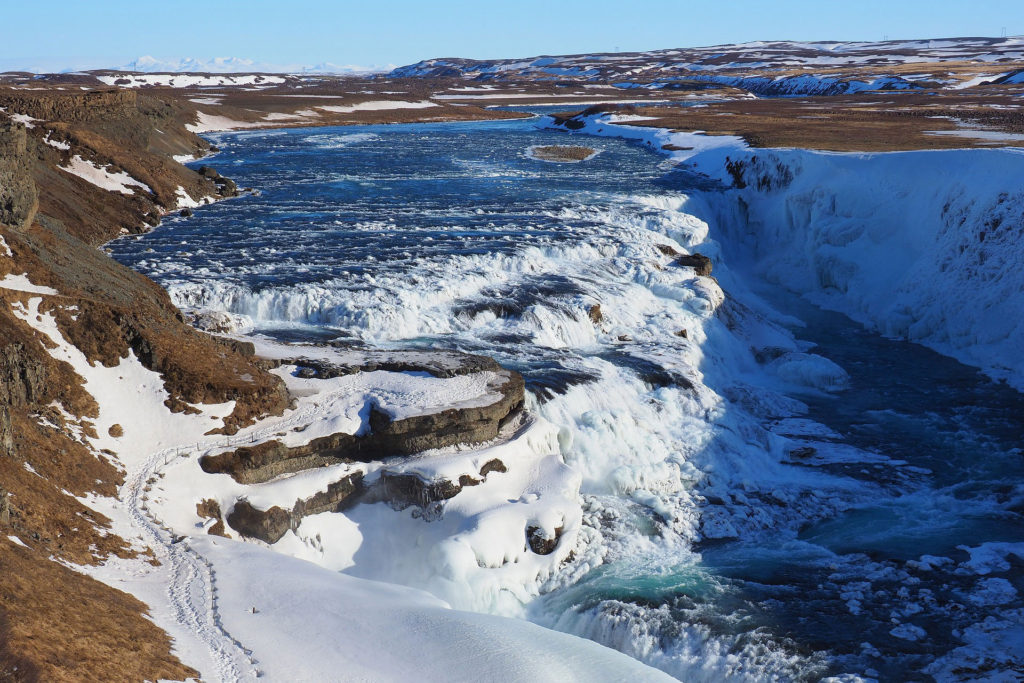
(270, 525)
(210, 509)
(803, 452)
(6, 433)
(242, 348)
(700, 263)
(185, 213)
(666, 250)
(225, 186)
(333, 499)
(19, 200)
(23, 378)
(387, 438)
(435, 363)
(5, 508)
(596, 316)
(683, 333)
(266, 525)
(403, 489)
(540, 541)
(494, 465)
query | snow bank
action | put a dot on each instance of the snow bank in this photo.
(377, 105)
(208, 123)
(100, 177)
(330, 626)
(21, 283)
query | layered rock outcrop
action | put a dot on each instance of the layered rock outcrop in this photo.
(386, 438)
(18, 198)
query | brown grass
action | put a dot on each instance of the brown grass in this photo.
(69, 627)
(879, 122)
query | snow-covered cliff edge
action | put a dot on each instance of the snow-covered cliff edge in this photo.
(920, 245)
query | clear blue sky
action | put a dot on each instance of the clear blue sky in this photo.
(84, 33)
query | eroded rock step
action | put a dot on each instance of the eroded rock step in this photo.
(386, 437)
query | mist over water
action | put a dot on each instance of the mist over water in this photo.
(769, 490)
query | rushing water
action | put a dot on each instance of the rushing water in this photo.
(756, 512)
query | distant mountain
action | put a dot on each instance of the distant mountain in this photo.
(768, 59)
(149, 64)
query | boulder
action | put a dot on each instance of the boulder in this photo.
(700, 263)
(596, 316)
(542, 542)
(266, 525)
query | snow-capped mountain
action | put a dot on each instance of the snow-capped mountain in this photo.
(149, 64)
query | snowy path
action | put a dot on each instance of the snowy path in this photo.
(191, 590)
(191, 582)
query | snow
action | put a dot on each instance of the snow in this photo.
(21, 283)
(185, 200)
(977, 80)
(64, 146)
(102, 178)
(376, 105)
(930, 260)
(178, 80)
(17, 541)
(22, 118)
(4, 248)
(330, 626)
(208, 123)
(996, 136)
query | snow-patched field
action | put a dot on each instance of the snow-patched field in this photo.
(100, 177)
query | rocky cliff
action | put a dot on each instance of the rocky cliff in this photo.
(62, 157)
(18, 198)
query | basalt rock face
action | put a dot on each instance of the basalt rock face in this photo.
(6, 433)
(386, 438)
(404, 489)
(18, 198)
(398, 489)
(270, 525)
(22, 376)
